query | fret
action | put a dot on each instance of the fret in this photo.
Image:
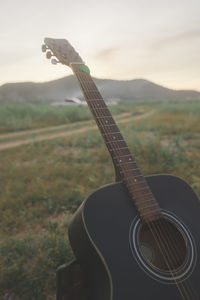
(152, 209)
(87, 81)
(150, 212)
(116, 133)
(121, 152)
(92, 97)
(130, 172)
(101, 109)
(115, 151)
(119, 143)
(91, 94)
(140, 202)
(95, 109)
(84, 79)
(138, 194)
(146, 201)
(122, 163)
(130, 169)
(115, 141)
(89, 85)
(105, 126)
(108, 125)
(148, 207)
(98, 100)
(126, 160)
(133, 176)
(136, 182)
(136, 178)
(140, 190)
(97, 105)
(103, 117)
(137, 188)
(105, 121)
(113, 133)
(126, 155)
(146, 195)
(153, 204)
(143, 198)
(91, 90)
(122, 148)
(106, 118)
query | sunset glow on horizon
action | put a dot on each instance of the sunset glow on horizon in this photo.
(155, 40)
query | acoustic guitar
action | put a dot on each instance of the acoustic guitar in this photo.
(138, 238)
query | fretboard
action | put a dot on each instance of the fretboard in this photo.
(123, 160)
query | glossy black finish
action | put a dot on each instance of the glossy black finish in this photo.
(99, 235)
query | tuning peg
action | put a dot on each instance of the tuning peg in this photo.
(44, 48)
(54, 61)
(49, 54)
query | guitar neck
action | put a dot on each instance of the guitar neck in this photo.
(125, 165)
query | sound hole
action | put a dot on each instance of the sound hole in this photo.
(163, 245)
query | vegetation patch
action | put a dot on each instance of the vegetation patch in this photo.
(16, 117)
(43, 183)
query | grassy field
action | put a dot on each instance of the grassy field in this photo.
(43, 183)
(16, 117)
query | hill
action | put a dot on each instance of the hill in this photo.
(60, 89)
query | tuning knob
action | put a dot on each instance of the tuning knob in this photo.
(44, 48)
(49, 54)
(54, 61)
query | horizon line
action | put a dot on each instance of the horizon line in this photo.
(102, 78)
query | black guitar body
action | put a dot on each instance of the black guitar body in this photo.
(104, 236)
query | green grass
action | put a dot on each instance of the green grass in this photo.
(16, 117)
(42, 184)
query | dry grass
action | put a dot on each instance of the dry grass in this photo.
(42, 184)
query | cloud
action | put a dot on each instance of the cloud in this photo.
(175, 39)
(106, 54)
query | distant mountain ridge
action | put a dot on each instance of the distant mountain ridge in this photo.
(67, 87)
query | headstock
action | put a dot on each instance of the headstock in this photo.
(62, 50)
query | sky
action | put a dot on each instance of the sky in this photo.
(120, 39)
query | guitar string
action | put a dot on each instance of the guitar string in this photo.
(133, 162)
(90, 103)
(116, 141)
(103, 124)
(187, 281)
(104, 133)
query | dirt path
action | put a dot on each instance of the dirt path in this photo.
(52, 128)
(63, 133)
